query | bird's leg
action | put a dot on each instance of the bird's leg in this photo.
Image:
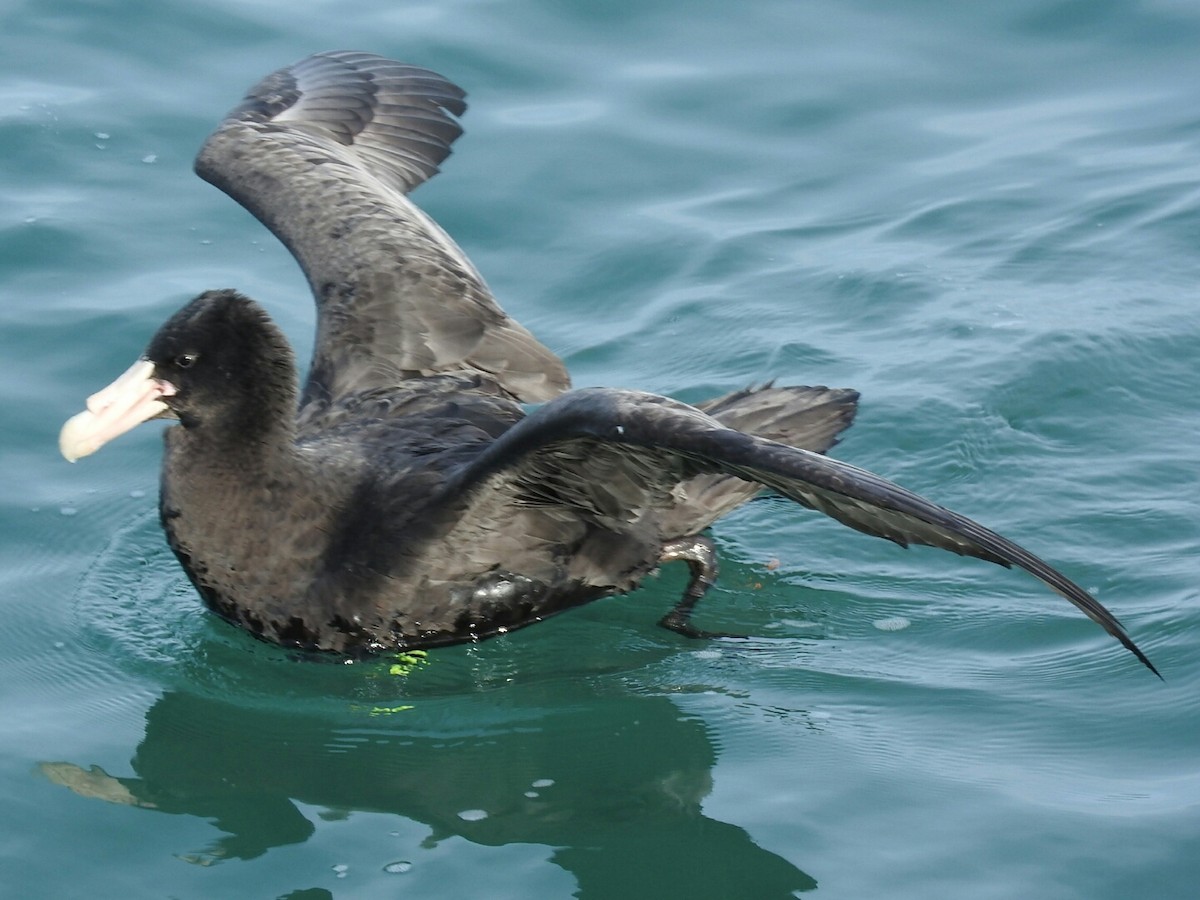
(701, 556)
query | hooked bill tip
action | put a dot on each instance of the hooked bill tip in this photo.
(73, 443)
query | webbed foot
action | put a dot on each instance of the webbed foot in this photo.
(701, 556)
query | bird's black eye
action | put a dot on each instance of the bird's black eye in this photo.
(186, 360)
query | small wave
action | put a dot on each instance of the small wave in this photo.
(133, 602)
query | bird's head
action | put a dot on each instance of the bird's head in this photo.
(218, 363)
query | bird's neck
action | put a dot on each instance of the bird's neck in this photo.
(253, 450)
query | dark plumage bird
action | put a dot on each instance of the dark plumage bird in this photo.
(402, 498)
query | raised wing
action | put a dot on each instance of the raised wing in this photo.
(611, 456)
(323, 153)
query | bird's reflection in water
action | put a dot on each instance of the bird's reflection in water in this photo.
(613, 781)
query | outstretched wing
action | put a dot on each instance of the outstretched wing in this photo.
(322, 153)
(610, 456)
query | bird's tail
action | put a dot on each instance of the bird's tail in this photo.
(807, 417)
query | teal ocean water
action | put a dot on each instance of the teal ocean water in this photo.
(986, 217)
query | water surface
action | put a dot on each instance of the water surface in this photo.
(984, 217)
